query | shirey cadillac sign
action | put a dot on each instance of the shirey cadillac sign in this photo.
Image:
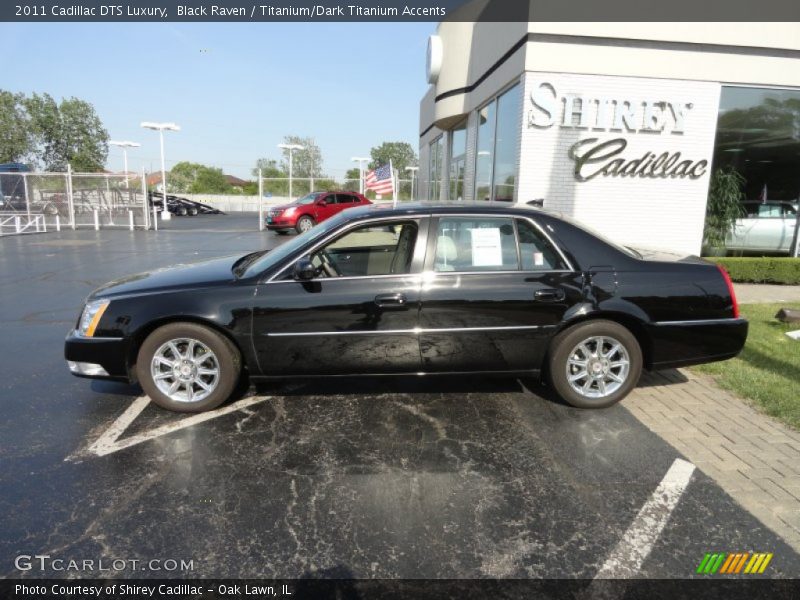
(607, 156)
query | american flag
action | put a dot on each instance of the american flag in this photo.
(380, 180)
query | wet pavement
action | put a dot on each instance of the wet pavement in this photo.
(376, 477)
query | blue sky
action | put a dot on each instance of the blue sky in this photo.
(235, 89)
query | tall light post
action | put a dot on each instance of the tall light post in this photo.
(291, 148)
(360, 160)
(125, 145)
(413, 171)
(161, 127)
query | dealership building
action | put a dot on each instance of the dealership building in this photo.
(619, 125)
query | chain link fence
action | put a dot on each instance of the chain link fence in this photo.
(74, 200)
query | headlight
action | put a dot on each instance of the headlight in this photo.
(289, 212)
(92, 313)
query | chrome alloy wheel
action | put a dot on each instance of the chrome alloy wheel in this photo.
(305, 225)
(598, 366)
(185, 370)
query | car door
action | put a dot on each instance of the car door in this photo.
(324, 207)
(789, 214)
(344, 201)
(767, 232)
(357, 315)
(493, 292)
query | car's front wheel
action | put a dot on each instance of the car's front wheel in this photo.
(595, 364)
(304, 223)
(186, 367)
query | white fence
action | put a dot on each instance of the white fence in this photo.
(74, 200)
(15, 224)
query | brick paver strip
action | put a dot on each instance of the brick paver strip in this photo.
(755, 459)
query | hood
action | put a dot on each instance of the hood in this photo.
(209, 272)
(285, 206)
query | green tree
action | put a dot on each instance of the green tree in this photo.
(724, 205)
(306, 162)
(401, 154)
(15, 136)
(67, 133)
(194, 178)
(275, 179)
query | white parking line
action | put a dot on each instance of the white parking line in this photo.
(627, 557)
(109, 441)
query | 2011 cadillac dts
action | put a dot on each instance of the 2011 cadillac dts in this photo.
(420, 289)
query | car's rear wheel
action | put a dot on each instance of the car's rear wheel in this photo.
(304, 223)
(186, 367)
(595, 364)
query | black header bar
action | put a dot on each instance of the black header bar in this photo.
(400, 11)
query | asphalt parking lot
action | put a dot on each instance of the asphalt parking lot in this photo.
(373, 478)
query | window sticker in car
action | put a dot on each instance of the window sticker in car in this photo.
(486, 248)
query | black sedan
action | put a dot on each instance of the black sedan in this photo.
(418, 289)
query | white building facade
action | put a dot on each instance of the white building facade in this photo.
(619, 125)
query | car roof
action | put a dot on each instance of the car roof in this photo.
(380, 209)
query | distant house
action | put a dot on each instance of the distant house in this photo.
(236, 183)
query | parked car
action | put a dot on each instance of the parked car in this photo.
(302, 214)
(420, 289)
(765, 227)
(181, 206)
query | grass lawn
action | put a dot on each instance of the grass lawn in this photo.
(767, 372)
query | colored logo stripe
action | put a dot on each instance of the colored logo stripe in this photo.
(734, 563)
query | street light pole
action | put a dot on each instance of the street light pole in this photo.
(360, 160)
(291, 148)
(413, 171)
(125, 145)
(160, 127)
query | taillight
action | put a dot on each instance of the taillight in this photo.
(730, 290)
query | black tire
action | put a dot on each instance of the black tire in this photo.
(304, 219)
(561, 350)
(227, 357)
(181, 211)
(192, 211)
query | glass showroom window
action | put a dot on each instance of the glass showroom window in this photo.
(498, 136)
(484, 159)
(458, 160)
(758, 135)
(435, 167)
(506, 144)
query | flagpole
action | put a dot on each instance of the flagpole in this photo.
(394, 185)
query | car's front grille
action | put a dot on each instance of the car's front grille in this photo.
(275, 213)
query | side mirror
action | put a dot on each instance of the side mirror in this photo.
(322, 202)
(304, 269)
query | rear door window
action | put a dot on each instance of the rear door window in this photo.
(476, 244)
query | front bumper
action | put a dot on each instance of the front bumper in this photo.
(277, 222)
(97, 357)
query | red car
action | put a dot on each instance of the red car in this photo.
(301, 215)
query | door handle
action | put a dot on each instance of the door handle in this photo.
(549, 295)
(391, 300)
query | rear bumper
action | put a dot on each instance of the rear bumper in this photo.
(97, 358)
(684, 343)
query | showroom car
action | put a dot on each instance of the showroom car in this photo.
(302, 214)
(764, 227)
(418, 289)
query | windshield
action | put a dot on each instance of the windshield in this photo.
(309, 198)
(273, 257)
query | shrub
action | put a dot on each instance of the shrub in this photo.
(762, 269)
